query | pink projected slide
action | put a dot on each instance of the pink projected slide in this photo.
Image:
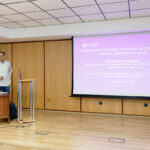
(116, 65)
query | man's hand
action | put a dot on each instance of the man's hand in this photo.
(1, 77)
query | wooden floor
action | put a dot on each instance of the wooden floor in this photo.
(77, 131)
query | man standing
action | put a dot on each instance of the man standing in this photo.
(5, 73)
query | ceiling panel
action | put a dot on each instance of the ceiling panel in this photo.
(50, 4)
(110, 1)
(61, 12)
(94, 17)
(38, 15)
(87, 10)
(29, 23)
(70, 19)
(137, 13)
(5, 11)
(11, 1)
(2, 20)
(49, 12)
(75, 3)
(11, 25)
(140, 4)
(24, 7)
(17, 17)
(49, 21)
(117, 15)
(115, 7)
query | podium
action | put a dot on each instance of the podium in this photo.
(30, 82)
(4, 107)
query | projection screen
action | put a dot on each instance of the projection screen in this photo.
(112, 65)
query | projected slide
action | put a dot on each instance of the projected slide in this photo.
(116, 65)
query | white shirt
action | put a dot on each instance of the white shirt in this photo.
(5, 71)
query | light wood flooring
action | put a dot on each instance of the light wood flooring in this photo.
(77, 131)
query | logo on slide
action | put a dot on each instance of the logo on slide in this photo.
(92, 45)
(84, 45)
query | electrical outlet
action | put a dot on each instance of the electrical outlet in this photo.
(100, 103)
(145, 105)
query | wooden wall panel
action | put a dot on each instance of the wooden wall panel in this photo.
(29, 58)
(7, 49)
(58, 76)
(102, 105)
(136, 107)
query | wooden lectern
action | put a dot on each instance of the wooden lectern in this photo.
(31, 99)
(4, 107)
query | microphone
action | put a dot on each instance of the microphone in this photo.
(20, 74)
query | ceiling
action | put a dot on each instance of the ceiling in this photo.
(33, 13)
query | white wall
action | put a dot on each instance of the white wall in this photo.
(4, 34)
(67, 30)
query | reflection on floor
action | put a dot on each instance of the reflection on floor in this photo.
(76, 131)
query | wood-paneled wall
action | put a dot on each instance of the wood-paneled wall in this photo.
(136, 107)
(29, 58)
(58, 74)
(50, 64)
(102, 105)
